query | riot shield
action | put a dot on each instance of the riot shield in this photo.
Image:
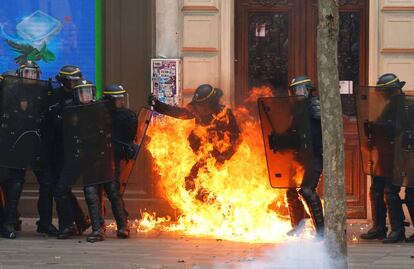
(23, 103)
(404, 142)
(287, 140)
(376, 118)
(126, 166)
(87, 137)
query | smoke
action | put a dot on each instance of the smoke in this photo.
(298, 253)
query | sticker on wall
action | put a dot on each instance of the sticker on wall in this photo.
(346, 87)
(260, 29)
(166, 80)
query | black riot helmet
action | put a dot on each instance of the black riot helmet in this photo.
(301, 86)
(7, 73)
(69, 75)
(117, 94)
(390, 81)
(83, 92)
(206, 94)
(29, 70)
(206, 99)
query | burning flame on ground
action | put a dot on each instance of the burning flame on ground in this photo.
(240, 204)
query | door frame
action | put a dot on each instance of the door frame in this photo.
(357, 187)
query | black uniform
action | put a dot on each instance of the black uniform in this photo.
(311, 177)
(123, 135)
(68, 207)
(208, 112)
(381, 185)
(20, 121)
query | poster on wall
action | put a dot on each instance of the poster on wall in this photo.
(166, 80)
(53, 33)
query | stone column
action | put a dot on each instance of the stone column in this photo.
(168, 27)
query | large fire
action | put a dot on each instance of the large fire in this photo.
(239, 205)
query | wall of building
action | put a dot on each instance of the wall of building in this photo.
(203, 37)
(392, 39)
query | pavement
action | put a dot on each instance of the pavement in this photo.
(161, 250)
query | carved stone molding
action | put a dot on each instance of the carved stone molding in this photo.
(268, 2)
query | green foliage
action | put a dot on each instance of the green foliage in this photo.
(28, 52)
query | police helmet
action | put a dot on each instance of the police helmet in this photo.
(84, 91)
(117, 94)
(301, 86)
(7, 73)
(29, 70)
(391, 81)
(68, 75)
(206, 93)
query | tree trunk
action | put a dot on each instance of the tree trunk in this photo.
(332, 131)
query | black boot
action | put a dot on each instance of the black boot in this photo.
(48, 229)
(67, 232)
(94, 206)
(396, 215)
(315, 207)
(64, 210)
(13, 191)
(112, 192)
(45, 206)
(82, 221)
(379, 213)
(296, 212)
(376, 232)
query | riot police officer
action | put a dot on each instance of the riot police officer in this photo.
(391, 85)
(68, 207)
(124, 131)
(207, 110)
(302, 86)
(14, 185)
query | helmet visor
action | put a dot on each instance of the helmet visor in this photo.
(30, 73)
(121, 100)
(85, 94)
(300, 90)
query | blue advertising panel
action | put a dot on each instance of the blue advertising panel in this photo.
(53, 33)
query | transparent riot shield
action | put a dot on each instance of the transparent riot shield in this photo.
(88, 151)
(404, 141)
(23, 103)
(287, 140)
(376, 130)
(126, 166)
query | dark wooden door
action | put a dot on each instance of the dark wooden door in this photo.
(275, 40)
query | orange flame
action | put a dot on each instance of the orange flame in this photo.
(240, 204)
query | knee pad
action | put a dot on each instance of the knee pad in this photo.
(91, 194)
(112, 190)
(307, 193)
(62, 191)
